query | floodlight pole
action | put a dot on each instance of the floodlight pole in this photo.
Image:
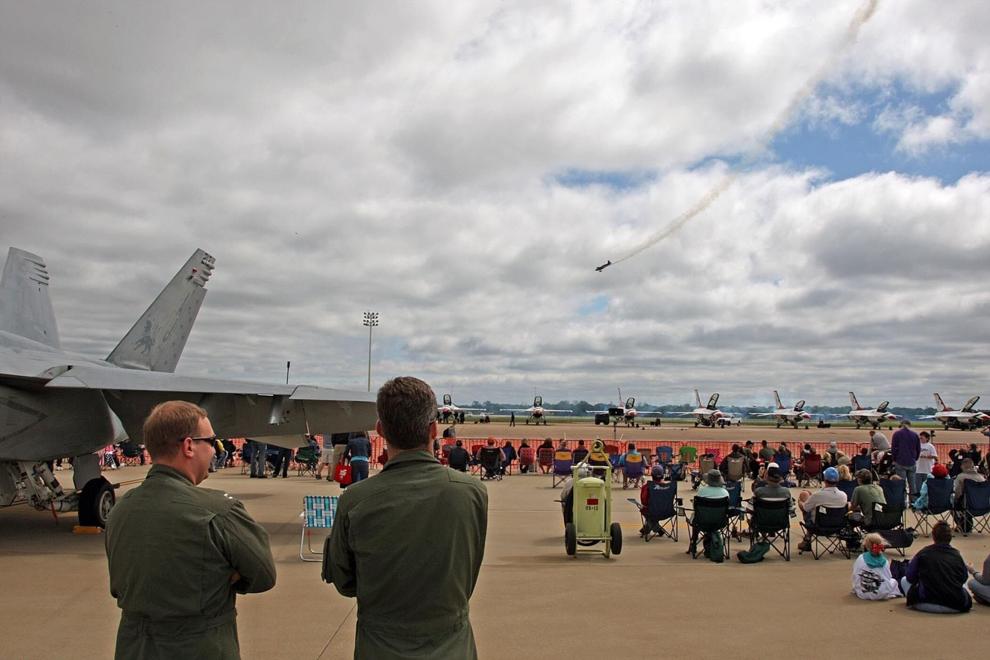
(370, 320)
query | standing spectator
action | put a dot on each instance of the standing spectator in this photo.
(878, 441)
(358, 452)
(409, 543)
(905, 450)
(766, 453)
(936, 577)
(282, 460)
(178, 555)
(228, 446)
(219, 460)
(259, 459)
(512, 419)
(926, 459)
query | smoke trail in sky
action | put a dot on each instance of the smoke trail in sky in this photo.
(864, 14)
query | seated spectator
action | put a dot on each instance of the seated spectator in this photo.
(935, 580)
(782, 450)
(865, 496)
(833, 456)
(713, 489)
(658, 480)
(598, 458)
(973, 453)
(752, 460)
(871, 578)
(526, 457)
(828, 496)
(547, 444)
(844, 473)
(458, 459)
(562, 445)
(735, 456)
(490, 443)
(581, 451)
(968, 473)
(772, 490)
(939, 471)
(630, 451)
(509, 452)
(980, 584)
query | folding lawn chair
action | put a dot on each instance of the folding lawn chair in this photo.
(527, 459)
(633, 470)
(544, 458)
(811, 470)
(939, 505)
(665, 455)
(561, 467)
(660, 517)
(716, 454)
(976, 507)
(828, 531)
(710, 517)
(888, 521)
(770, 523)
(687, 454)
(318, 513)
(895, 492)
(847, 486)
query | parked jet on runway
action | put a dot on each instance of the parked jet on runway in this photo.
(55, 404)
(448, 409)
(626, 413)
(782, 415)
(872, 416)
(536, 412)
(965, 419)
(708, 415)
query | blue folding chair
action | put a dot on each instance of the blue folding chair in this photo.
(318, 513)
(847, 487)
(939, 504)
(784, 462)
(861, 462)
(895, 492)
(976, 507)
(660, 517)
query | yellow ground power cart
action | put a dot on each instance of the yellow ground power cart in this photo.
(592, 514)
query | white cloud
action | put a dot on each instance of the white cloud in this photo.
(403, 159)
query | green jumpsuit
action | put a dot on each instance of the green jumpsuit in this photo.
(173, 549)
(409, 543)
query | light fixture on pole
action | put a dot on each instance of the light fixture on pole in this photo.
(370, 320)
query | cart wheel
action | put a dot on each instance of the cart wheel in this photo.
(570, 539)
(615, 531)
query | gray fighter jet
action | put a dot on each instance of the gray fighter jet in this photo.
(56, 404)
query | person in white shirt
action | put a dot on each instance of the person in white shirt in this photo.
(871, 578)
(829, 496)
(926, 460)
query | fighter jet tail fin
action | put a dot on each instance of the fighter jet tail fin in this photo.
(156, 341)
(25, 308)
(939, 404)
(697, 399)
(776, 397)
(853, 402)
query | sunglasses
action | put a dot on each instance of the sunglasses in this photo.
(212, 440)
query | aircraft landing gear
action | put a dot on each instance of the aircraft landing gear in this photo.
(95, 503)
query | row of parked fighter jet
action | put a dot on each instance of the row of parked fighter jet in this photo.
(966, 418)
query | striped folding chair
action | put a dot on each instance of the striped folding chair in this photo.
(318, 513)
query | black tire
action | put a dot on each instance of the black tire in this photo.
(615, 532)
(570, 539)
(96, 502)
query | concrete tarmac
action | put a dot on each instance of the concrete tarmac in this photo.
(532, 601)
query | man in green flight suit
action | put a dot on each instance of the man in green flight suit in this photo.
(179, 554)
(409, 542)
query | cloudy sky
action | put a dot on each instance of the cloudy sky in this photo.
(461, 168)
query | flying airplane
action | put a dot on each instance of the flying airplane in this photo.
(603, 266)
(536, 412)
(782, 415)
(448, 409)
(55, 404)
(626, 413)
(708, 415)
(872, 416)
(965, 419)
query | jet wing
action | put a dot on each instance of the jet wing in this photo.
(756, 414)
(236, 408)
(678, 413)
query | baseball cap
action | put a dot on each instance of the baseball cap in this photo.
(773, 473)
(657, 472)
(831, 475)
(939, 471)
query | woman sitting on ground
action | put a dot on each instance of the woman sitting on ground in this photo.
(935, 580)
(871, 578)
(980, 584)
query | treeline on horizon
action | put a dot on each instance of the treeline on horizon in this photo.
(578, 408)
